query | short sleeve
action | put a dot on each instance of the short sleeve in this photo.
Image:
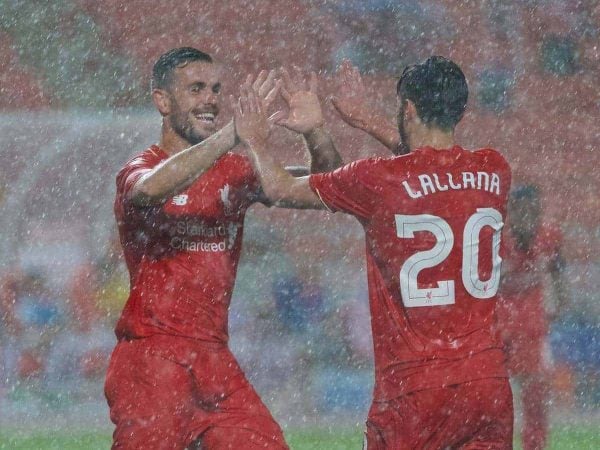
(347, 189)
(130, 174)
(125, 211)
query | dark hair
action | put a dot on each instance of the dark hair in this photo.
(438, 89)
(525, 192)
(168, 62)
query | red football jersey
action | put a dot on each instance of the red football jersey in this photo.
(433, 221)
(182, 256)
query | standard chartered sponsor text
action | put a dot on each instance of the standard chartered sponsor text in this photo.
(187, 231)
(179, 243)
(193, 228)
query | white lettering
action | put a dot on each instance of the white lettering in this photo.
(179, 243)
(483, 176)
(451, 183)
(434, 182)
(193, 228)
(495, 184)
(410, 192)
(468, 178)
(437, 183)
(426, 183)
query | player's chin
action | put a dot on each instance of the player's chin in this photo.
(200, 133)
(207, 129)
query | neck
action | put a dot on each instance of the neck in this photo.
(431, 137)
(170, 141)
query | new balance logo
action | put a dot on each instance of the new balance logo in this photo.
(180, 200)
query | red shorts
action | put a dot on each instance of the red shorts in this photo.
(473, 415)
(168, 392)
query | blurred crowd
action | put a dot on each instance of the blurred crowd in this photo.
(55, 340)
(299, 321)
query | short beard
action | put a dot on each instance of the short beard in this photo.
(180, 123)
(403, 147)
(184, 128)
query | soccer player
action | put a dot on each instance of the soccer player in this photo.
(172, 381)
(433, 221)
(533, 250)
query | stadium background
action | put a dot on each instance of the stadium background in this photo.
(75, 106)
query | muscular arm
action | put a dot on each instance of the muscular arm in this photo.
(182, 169)
(323, 154)
(384, 131)
(279, 187)
(323, 158)
(306, 117)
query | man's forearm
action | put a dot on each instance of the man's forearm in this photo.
(323, 154)
(384, 131)
(181, 170)
(275, 180)
(280, 187)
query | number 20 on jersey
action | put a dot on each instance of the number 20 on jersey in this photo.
(443, 294)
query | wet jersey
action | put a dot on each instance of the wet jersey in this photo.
(433, 221)
(182, 255)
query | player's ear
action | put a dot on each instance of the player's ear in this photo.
(162, 101)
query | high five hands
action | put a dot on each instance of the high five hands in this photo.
(304, 113)
(250, 115)
(351, 101)
(304, 108)
(357, 110)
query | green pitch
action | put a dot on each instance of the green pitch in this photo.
(567, 438)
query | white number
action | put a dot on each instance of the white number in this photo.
(484, 217)
(411, 294)
(443, 294)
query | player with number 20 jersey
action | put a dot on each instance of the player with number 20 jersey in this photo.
(433, 279)
(431, 276)
(433, 222)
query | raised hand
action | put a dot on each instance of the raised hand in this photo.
(353, 105)
(251, 122)
(305, 113)
(266, 87)
(351, 101)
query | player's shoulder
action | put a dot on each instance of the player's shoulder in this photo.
(491, 156)
(364, 167)
(367, 163)
(147, 158)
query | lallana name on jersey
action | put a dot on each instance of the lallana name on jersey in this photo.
(435, 182)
